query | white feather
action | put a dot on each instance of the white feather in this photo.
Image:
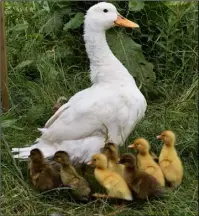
(113, 102)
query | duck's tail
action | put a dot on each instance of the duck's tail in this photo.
(48, 149)
(79, 150)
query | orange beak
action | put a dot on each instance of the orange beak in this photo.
(121, 21)
(90, 163)
(131, 146)
(158, 137)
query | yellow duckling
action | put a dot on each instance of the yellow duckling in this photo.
(112, 154)
(169, 160)
(114, 184)
(145, 160)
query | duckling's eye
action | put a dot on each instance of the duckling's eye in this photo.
(94, 159)
(105, 10)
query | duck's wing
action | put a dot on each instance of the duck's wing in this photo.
(83, 116)
(57, 114)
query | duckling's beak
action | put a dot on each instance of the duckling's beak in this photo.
(131, 146)
(121, 21)
(158, 137)
(89, 163)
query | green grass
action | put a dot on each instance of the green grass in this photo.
(40, 70)
(20, 199)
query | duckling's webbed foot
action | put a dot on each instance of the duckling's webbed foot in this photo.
(98, 195)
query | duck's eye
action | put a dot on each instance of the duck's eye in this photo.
(105, 10)
(94, 159)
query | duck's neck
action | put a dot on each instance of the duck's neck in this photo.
(143, 153)
(69, 169)
(113, 158)
(104, 65)
(37, 166)
(130, 169)
(169, 145)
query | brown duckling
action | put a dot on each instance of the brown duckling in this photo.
(145, 161)
(140, 182)
(60, 101)
(44, 176)
(114, 184)
(112, 154)
(70, 177)
(169, 160)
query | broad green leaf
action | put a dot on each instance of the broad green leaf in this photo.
(19, 27)
(24, 64)
(54, 23)
(136, 5)
(9, 123)
(75, 22)
(130, 54)
(176, 3)
(45, 5)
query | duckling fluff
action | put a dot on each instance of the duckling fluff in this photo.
(114, 184)
(113, 102)
(169, 160)
(43, 175)
(70, 177)
(112, 154)
(145, 161)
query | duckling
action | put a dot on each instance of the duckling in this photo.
(114, 184)
(169, 160)
(70, 177)
(154, 156)
(60, 101)
(140, 182)
(111, 152)
(44, 176)
(145, 160)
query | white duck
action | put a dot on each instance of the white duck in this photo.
(113, 102)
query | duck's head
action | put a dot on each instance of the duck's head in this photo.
(98, 161)
(110, 150)
(128, 160)
(104, 15)
(168, 137)
(36, 155)
(140, 144)
(61, 157)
